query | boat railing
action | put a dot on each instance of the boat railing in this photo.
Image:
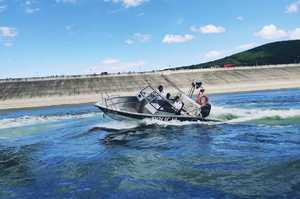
(155, 95)
(116, 102)
(106, 99)
(151, 96)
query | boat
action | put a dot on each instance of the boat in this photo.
(149, 103)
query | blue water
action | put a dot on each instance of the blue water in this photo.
(76, 152)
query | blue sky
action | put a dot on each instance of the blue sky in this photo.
(56, 37)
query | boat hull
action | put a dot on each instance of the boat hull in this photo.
(123, 115)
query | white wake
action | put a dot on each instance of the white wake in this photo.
(33, 120)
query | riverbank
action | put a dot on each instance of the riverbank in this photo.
(51, 92)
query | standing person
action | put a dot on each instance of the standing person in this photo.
(202, 100)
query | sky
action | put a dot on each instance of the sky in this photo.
(66, 37)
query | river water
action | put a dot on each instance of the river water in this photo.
(76, 152)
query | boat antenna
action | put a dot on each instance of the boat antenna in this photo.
(195, 85)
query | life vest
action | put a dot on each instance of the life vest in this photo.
(206, 99)
(199, 99)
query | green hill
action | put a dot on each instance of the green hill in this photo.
(282, 52)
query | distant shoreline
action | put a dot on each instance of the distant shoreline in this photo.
(43, 93)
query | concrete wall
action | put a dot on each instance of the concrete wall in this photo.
(237, 76)
(76, 86)
(215, 80)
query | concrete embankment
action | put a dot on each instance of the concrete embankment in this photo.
(56, 91)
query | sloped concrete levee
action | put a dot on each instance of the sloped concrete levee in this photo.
(34, 92)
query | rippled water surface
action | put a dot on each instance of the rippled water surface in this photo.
(76, 152)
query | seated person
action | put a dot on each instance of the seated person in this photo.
(161, 91)
(169, 98)
(166, 104)
(160, 95)
(178, 105)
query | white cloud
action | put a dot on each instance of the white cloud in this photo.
(293, 7)
(214, 54)
(3, 8)
(138, 38)
(30, 6)
(129, 41)
(246, 46)
(128, 3)
(31, 10)
(170, 38)
(110, 61)
(208, 29)
(271, 32)
(7, 44)
(295, 34)
(140, 14)
(28, 2)
(7, 32)
(115, 66)
(67, 1)
(132, 3)
(240, 18)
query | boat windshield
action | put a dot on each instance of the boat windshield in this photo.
(150, 94)
(154, 101)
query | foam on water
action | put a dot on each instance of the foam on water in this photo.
(173, 122)
(232, 115)
(32, 120)
(236, 115)
(223, 114)
(132, 124)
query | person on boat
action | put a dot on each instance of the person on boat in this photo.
(178, 105)
(169, 98)
(161, 91)
(202, 100)
(161, 99)
(166, 104)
